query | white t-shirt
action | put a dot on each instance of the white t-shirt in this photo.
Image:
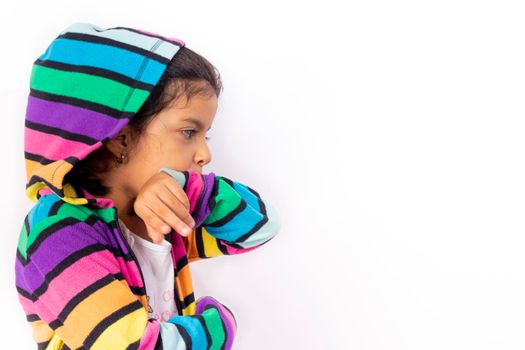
(156, 264)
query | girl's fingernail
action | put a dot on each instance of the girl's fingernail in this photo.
(186, 230)
(165, 229)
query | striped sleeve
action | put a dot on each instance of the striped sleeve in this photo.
(73, 291)
(230, 217)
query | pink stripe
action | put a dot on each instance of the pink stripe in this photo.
(27, 304)
(45, 190)
(130, 272)
(54, 146)
(154, 34)
(151, 333)
(74, 279)
(177, 249)
(194, 188)
(232, 251)
(230, 318)
(102, 202)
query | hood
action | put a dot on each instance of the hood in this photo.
(84, 89)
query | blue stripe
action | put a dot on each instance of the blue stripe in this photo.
(166, 49)
(195, 330)
(251, 199)
(238, 226)
(267, 231)
(104, 56)
(41, 209)
(171, 338)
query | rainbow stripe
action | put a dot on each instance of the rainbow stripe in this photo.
(77, 279)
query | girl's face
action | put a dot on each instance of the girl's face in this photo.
(175, 138)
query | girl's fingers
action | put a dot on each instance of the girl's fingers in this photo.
(155, 236)
(173, 186)
(161, 216)
(153, 223)
(174, 205)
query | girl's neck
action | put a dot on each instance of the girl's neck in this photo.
(135, 224)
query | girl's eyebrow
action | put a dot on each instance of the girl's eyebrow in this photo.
(194, 121)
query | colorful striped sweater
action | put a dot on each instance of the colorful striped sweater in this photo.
(77, 279)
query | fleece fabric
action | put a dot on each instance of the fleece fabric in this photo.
(78, 281)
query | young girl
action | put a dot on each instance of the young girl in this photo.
(115, 146)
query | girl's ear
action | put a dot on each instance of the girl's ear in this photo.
(119, 143)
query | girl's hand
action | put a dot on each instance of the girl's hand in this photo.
(162, 204)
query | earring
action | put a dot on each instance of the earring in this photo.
(121, 159)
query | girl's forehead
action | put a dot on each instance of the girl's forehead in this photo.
(198, 110)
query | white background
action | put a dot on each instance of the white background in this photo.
(389, 135)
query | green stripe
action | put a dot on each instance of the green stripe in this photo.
(227, 199)
(87, 87)
(66, 210)
(22, 241)
(214, 325)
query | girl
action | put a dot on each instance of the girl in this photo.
(115, 146)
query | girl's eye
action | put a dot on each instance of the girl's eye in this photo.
(193, 133)
(189, 130)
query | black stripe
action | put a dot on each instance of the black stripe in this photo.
(59, 192)
(199, 242)
(185, 336)
(48, 231)
(37, 158)
(24, 293)
(202, 194)
(115, 43)
(134, 346)
(214, 192)
(183, 261)
(109, 320)
(252, 231)
(67, 135)
(158, 343)
(43, 345)
(64, 264)
(151, 35)
(230, 311)
(55, 324)
(227, 218)
(77, 102)
(190, 298)
(32, 317)
(206, 331)
(186, 177)
(56, 207)
(100, 72)
(27, 225)
(86, 292)
(226, 334)
(222, 248)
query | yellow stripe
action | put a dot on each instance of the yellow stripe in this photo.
(211, 249)
(125, 331)
(190, 309)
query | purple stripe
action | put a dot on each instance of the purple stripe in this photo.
(202, 213)
(72, 118)
(208, 300)
(19, 268)
(115, 240)
(55, 249)
(121, 245)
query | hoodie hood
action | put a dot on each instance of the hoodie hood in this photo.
(84, 89)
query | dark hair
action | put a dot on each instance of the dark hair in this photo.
(188, 74)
